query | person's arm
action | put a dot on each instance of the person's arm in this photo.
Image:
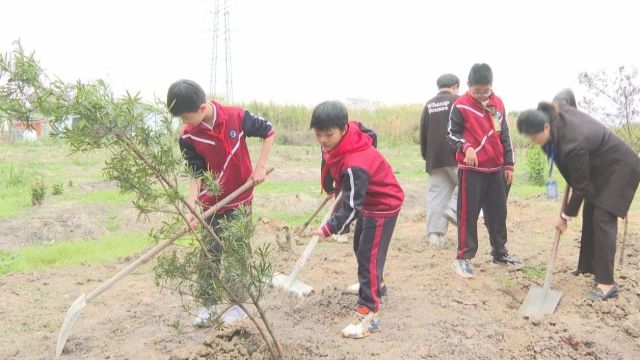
(456, 127)
(255, 126)
(454, 135)
(424, 132)
(194, 191)
(507, 146)
(561, 222)
(579, 178)
(198, 166)
(355, 182)
(260, 172)
(327, 181)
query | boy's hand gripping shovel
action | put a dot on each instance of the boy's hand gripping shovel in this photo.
(543, 301)
(289, 282)
(77, 306)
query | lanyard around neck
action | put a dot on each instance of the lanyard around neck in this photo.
(551, 155)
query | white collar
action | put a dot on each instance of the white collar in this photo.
(215, 117)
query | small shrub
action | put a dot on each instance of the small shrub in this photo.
(11, 175)
(536, 166)
(57, 189)
(38, 192)
(112, 223)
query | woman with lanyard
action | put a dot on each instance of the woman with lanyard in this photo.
(603, 172)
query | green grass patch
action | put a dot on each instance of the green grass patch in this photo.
(110, 196)
(13, 199)
(105, 249)
(112, 223)
(293, 218)
(290, 187)
(534, 272)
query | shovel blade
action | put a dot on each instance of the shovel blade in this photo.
(70, 319)
(539, 302)
(281, 281)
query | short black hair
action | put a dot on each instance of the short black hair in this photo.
(185, 96)
(329, 114)
(447, 81)
(532, 121)
(480, 74)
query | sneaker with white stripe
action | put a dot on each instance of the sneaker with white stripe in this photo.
(463, 268)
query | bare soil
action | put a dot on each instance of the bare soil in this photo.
(430, 313)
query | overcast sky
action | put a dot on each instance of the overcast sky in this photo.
(289, 51)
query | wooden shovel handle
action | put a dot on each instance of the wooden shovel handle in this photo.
(153, 252)
(313, 216)
(556, 242)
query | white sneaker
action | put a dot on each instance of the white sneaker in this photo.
(463, 268)
(340, 239)
(202, 320)
(436, 239)
(354, 289)
(232, 315)
(362, 325)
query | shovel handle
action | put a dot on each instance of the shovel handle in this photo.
(313, 216)
(556, 243)
(312, 244)
(161, 246)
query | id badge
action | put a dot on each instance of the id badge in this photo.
(552, 189)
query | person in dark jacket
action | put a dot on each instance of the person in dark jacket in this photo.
(371, 195)
(479, 133)
(440, 162)
(603, 173)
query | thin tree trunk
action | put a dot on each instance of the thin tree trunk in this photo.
(624, 240)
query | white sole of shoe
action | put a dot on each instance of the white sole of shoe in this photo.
(461, 273)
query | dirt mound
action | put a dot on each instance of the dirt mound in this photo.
(57, 222)
(240, 343)
(47, 224)
(233, 343)
(324, 307)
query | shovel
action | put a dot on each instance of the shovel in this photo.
(78, 305)
(289, 282)
(543, 301)
(313, 216)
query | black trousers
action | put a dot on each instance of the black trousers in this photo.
(370, 244)
(598, 243)
(486, 191)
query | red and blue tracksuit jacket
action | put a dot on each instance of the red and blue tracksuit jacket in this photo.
(368, 184)
(485, 128)
(222, 150)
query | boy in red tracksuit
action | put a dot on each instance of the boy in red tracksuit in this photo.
(214, 140)
(371, 195)
(479, 132)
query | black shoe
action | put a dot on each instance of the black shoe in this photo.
(578, 272)
(507, 260)
(597, 294)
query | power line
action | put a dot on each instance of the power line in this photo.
(214, 50)
(227, 43)
(213, 84)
